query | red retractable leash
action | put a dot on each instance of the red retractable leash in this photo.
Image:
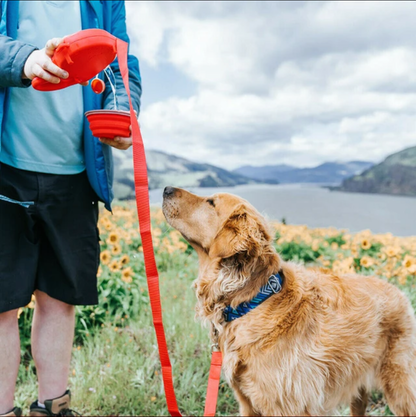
(83, 55)
(143, 210)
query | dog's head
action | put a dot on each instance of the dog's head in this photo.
(220, 226)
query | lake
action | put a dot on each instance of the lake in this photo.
(315, 206)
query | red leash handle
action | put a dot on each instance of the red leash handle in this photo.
(143, 210)
(213, 384)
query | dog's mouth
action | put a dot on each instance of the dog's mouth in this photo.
(170, 207)
(170, 210)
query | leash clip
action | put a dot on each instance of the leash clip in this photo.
(215, 348)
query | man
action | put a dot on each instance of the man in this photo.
(49, 160)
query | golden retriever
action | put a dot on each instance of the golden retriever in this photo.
(322, 341)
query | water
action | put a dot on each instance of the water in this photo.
(319, 207)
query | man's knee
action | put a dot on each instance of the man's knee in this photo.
(49, 305)
(8, 318)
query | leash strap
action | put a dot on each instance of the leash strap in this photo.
(213, 384)
(25, 204)
(143, 211)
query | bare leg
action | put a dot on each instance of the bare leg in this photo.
(9, 358)
(52, 338)
(359, 404)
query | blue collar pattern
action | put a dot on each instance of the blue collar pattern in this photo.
(273, 286)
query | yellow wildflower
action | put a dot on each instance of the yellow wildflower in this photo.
(126, 275)
(114, 266)
(366, 261)
(105, 257)
(125, 259)
(116, 249)
(391, 251)
(412, 269)
(113, 238)
(108, 226)
(408, 261)
(365, 244)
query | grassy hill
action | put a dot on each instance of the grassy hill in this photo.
(396, 175)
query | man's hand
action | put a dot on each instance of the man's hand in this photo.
(39, 64)
(118, 142)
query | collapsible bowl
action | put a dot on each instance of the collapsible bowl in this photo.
(109, 123)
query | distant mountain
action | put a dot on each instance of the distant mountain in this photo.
(266, 173)
(329, 172)
(165, 169)
(395, 175)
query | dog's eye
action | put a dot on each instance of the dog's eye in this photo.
(211, 201)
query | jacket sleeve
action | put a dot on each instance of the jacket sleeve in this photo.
(119, 30)
(12, 60)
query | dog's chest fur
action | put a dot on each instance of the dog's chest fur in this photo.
(299, 346)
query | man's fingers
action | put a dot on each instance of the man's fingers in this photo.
(49, 66)
(118, 142)
(123, 143)
(41, 73)
(51, 45)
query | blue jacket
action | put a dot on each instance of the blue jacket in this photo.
(107, 15)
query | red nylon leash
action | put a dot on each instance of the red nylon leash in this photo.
(143, 211)
(213, 384)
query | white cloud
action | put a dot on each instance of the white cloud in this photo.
(299, 83)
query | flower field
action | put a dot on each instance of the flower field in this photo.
(115, 364)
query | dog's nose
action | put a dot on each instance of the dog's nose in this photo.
(168, 192)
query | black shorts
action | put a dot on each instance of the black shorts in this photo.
(52, 246)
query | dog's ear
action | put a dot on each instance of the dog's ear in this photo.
(242, 232)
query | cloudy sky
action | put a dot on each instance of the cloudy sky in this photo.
(301, 83)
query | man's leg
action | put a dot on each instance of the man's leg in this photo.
(52, 338)
(9, 358)
(67, 267)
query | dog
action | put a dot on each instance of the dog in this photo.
(318, 341)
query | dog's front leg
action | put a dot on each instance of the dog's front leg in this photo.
(246, 407)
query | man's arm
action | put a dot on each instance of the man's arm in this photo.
(119, 30)
(12, 61)
(22, 62)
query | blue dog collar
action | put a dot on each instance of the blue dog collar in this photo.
(273, 286)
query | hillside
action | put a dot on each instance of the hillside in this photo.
(396, 175)
(266, 173)
(165, 169)
(329, 172)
